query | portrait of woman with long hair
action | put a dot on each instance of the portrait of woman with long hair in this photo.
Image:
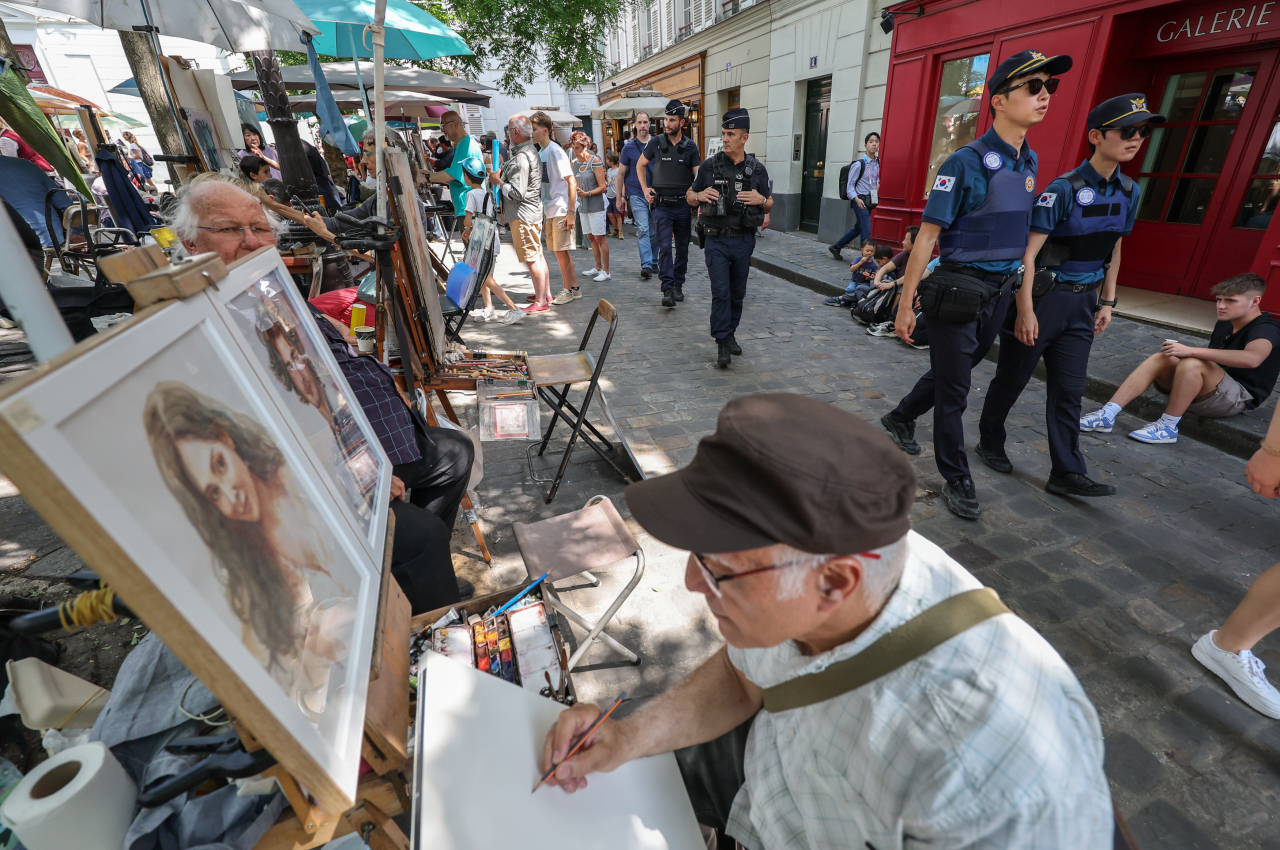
(235, 487)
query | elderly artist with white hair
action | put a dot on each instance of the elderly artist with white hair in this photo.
(822, 724)
(430, 466)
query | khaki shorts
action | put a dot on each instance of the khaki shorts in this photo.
(558, 239)
(527, 239)
(1227, 399)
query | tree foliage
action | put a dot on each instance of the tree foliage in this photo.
(564, 38)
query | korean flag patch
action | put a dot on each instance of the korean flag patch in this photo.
(943, 183)
(1046, 199)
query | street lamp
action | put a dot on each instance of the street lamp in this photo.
(886, 18)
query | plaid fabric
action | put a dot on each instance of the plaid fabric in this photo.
(988, 741)
(376, 392)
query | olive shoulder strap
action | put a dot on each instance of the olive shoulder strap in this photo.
(895, 649)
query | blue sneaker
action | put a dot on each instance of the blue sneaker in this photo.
(1097, 421)
(1156, 432)
(833, 301)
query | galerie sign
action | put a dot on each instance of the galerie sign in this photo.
(1211, 23)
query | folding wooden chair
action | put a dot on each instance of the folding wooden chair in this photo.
(553, 376)
(573, 544)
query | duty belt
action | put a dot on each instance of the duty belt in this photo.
(727, 232)
(671, 201)
(993, 278)
(1076, 287)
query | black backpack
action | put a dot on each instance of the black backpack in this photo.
(844, 178)
(878, 305)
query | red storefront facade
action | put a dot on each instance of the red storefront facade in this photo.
(1210, 177)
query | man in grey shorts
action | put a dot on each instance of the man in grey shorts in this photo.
(1236, 372)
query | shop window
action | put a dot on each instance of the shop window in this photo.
(1185, 156)
(734, 98)
(1263, 195)
(959, 108)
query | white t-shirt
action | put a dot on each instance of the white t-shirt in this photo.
(476, 205)
(555, 191)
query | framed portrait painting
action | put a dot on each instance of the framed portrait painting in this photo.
(173, 464)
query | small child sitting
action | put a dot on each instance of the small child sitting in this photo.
(862, 273)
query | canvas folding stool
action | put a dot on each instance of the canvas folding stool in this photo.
(553, 376)
(573, 544)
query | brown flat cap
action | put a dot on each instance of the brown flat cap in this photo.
(782, 468)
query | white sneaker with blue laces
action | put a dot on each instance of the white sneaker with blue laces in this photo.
(1156, 432)
(1097, 421)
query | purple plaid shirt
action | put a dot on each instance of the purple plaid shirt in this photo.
(376, 392)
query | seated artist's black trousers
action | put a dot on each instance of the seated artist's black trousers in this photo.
(420, 558)
(713, 774)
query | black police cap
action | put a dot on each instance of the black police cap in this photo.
(1123, 111)
(675, 107)
(736, 119)
(1026, 62)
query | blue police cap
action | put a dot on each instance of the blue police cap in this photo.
(1123, 111)
(675, 107)
(1026, 62)
(736, 119)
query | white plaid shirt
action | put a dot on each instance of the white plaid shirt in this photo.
(988, 741)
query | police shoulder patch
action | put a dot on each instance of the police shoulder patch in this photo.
(943, 183)
(992, 160)
(1046, 199)
(1031, 183)
(1085, 196)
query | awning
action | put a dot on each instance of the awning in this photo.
(410, 104)
(342, 76)
(626, 107)
(558, 118)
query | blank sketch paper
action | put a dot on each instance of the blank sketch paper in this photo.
(478, 741)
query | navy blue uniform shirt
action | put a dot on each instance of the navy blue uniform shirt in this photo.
(961, 186)
(1053, 207)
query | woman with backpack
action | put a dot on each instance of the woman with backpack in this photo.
(140, 163)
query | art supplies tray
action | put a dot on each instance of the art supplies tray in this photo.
(507, 410)
(533, 654)
(464, 373)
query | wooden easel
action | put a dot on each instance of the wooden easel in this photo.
(383, 793)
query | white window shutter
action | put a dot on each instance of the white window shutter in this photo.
(635, 36)
(473, 119)
(669, 37)
(708, 10)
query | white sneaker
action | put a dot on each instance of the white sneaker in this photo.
(1243, 671)
(591, 272)
(564, 296)
(881, 329)
(511, 317)
(1156, 432)
(603, 276)
(485, 315)
(1097, 421)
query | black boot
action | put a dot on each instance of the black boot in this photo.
(669, 298)
(995, 458)
(902, 433)
(835, 252)
(962, 498)
(679, 292)
(724, 354)
(734, 348)
(646, 273)
(1075, 484)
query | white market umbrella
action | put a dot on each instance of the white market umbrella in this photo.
(412, 104)
(626, 107)
(558, 118)
(240, 26)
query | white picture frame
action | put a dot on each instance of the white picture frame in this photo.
(100, 442)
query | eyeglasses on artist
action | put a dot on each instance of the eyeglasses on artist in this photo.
(1034, 85)
(259, 232)
(713, 581)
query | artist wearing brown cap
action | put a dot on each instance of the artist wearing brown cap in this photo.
(965, 729)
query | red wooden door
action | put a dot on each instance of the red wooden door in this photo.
(1197, 172)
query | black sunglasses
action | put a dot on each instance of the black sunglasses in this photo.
(1034, 85)
(1127, 133)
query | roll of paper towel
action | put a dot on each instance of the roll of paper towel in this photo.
(81, 798)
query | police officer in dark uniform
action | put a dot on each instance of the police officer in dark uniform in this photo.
(1076, 228)
(732, 194)
(979, 216)
(675, 158)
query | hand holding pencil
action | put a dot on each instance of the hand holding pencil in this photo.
(584, 740)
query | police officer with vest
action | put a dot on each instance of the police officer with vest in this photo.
(1074, 251)
(979, 216)
(675, 159)
(732, 194)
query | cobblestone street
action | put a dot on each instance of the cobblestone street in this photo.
(1121, 586)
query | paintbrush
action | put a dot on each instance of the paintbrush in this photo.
(581, 740)
(522, 593)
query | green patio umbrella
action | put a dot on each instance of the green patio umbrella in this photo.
(411, 32)
(19, 110)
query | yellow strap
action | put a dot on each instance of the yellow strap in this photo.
(895, 649)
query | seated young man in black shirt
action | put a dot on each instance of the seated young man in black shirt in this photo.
(1236, 372)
